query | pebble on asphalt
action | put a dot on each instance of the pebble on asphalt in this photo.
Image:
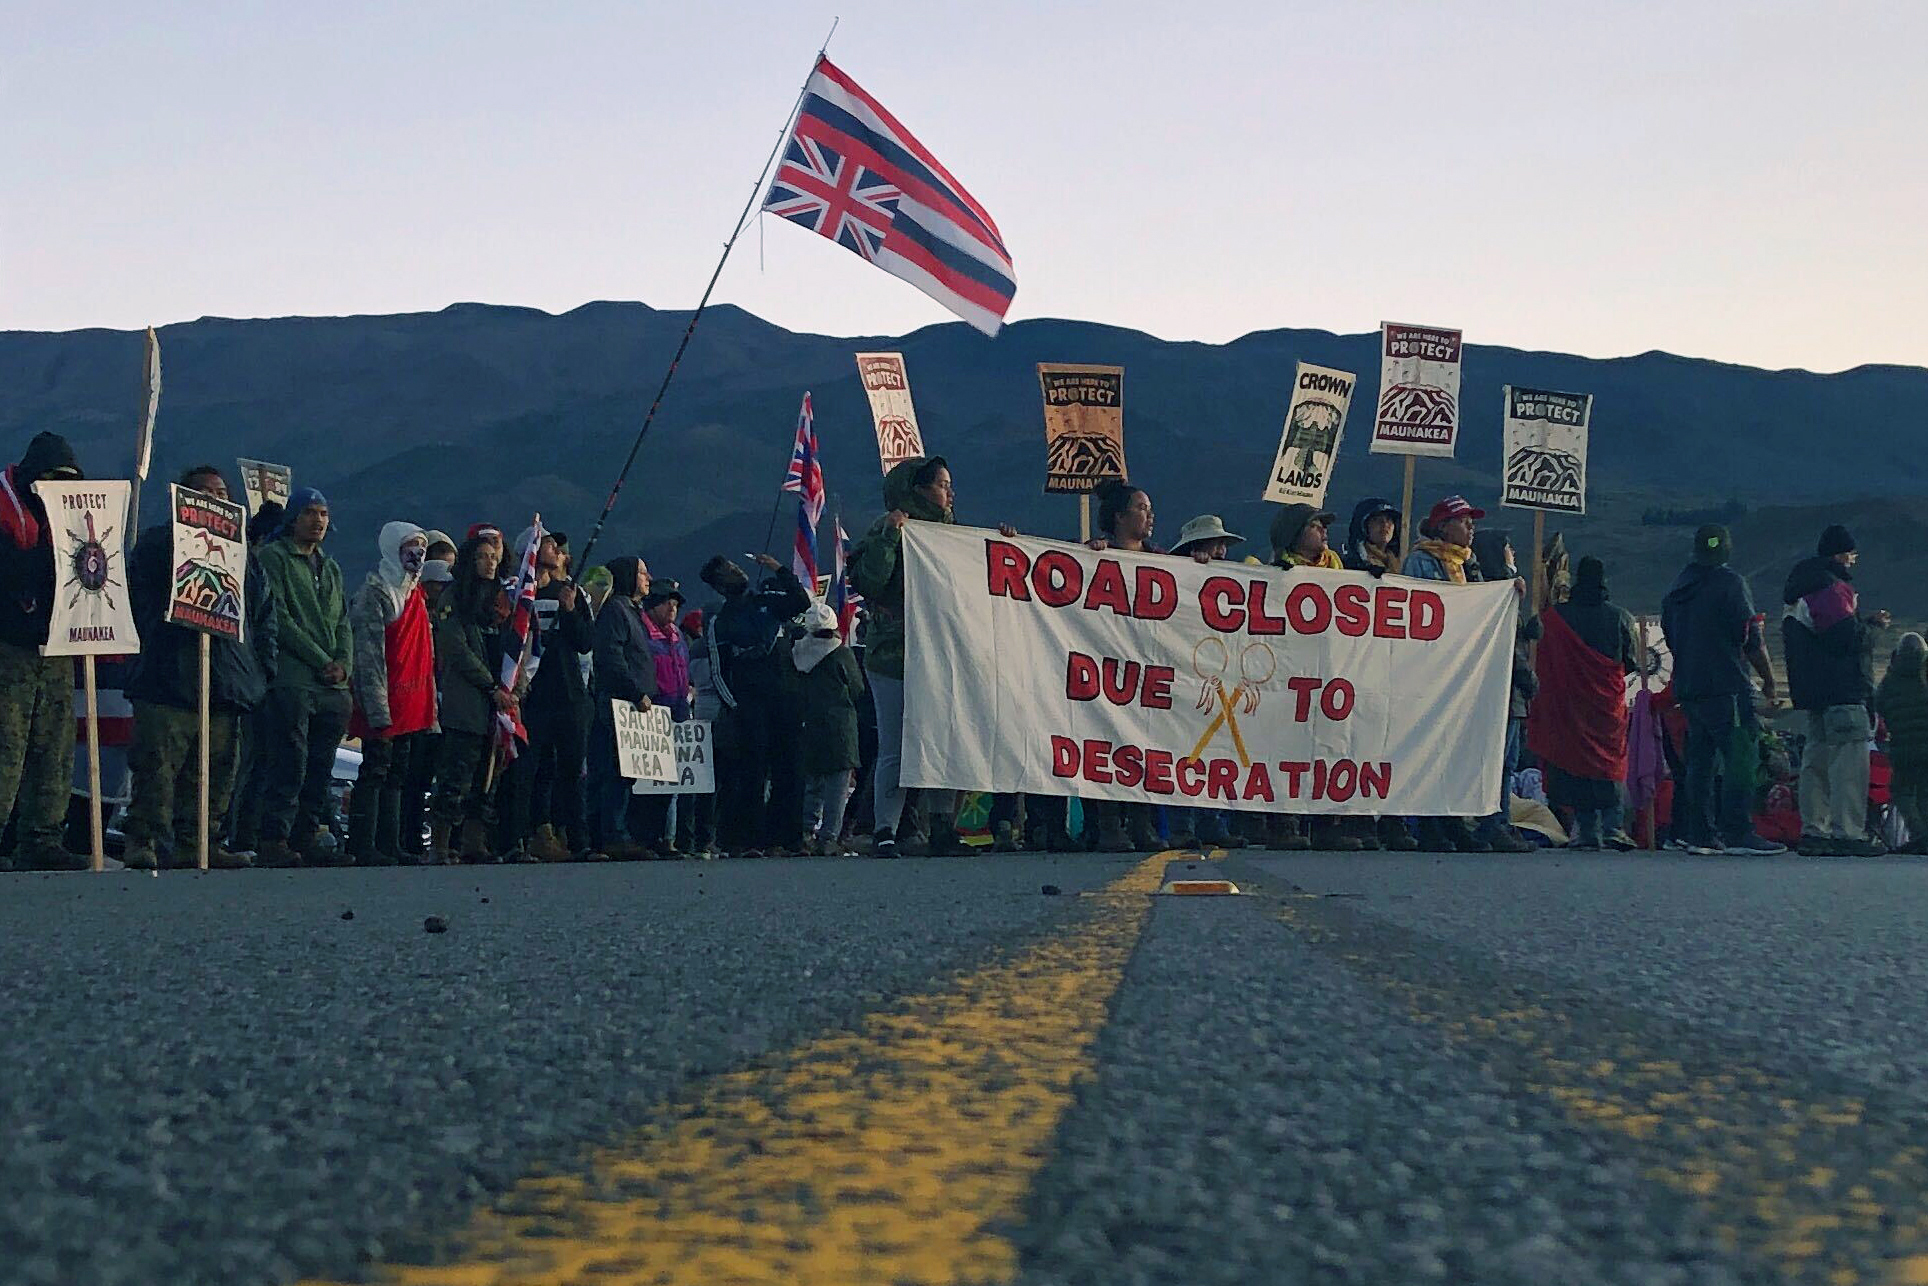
(435, 924)
(1051, 890)
(347, 915)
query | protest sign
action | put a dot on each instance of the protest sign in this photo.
(1084, 425)
(210, 561)
(1159, 680)
(1418, 391)
(695, 769)
(1546, 450)
(1314, 423)
(92, 615)
(887, 385)
(150, 406)
(644, 748)
(264, 482)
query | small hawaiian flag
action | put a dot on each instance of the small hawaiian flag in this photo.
(843, 600)
(805, 478)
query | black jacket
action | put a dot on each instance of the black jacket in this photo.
(1705, 617)
(566, 636)
(1830, 658)
(625, 666)
(746, 631)
(168, 670)
(27, 573)
(1489, 548)
(1603, 627)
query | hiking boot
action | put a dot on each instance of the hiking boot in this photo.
(1007, 839)
(274, 854)
(140, 856)
(1282, 835)
(226, 859)
(474, 845)
(1752, 845)
(1112, 837)
(50, 857)
(547, 845)
(1394, 835)
(1329, 836)
(1508, 840)
(948, 843)
(1467, 842)
(439, 853)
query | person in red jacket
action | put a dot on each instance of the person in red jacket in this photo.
(393, 683)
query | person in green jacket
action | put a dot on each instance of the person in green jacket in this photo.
(471, 695)
(302, 720)
(1902, 702)
(830, 687)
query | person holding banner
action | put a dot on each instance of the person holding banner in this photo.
(1299, 540)
(36, 692)
(1445, 553)
(394, 690)
(470, 688)
(307, 706)
(165, 692)
(1372, 538)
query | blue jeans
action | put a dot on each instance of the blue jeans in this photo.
(1515, 734)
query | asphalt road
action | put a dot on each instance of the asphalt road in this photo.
(1375, 1068)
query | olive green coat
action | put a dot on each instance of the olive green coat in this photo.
(830, 691)
(877, 570)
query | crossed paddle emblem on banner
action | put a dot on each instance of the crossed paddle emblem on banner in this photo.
(1245, 696)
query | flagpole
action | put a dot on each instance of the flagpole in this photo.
(649, 417)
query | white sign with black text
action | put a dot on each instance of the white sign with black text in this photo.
(645, 748)
(695, 765)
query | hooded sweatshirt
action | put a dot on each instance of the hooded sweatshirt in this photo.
(27, 541)
(877, 569)
(1489, 552)
(1829, 658)
(314, 608)
(625, 665)
(1706, 616)
(1902, 700)
(1359, 554)
(1287, 526)
(830, 688)
(394, 674)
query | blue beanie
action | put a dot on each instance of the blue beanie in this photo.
(298, 500)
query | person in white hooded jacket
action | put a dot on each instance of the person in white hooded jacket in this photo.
(830, 686)
(393, 684)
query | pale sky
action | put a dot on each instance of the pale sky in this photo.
(1745, 181)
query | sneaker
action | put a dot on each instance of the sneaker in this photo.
(1859, 848)
(1754, 846)
(1675, 844)
(1817, 846)
(276, 855)
(1703, 850)
(226, 859)
(1581, 844)
(1621, 842)
(884, 843)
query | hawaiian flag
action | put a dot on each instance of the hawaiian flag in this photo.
(518, 639)
(805, 479)
(852, 173)
(843, 600)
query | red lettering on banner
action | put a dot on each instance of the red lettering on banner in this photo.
(1108, 589)
(1218, 603)
(1321, 609)
(1342, 781)
(1157, 594)
(1005, 566)
(1258, 783)
(1064, 757)
(1351, 604)
(1080, 677)
(1293, 769)
(1261, 623)
(1121, 681)
(1158, 687)
(1058, 578)
(1158, 772)
(1097, 757)
(1223, 779)
(1375, 780)
(1335, 702)
(1318, 778)
(1191, 777)
(1389, 616)
(1429, 615)
(1302, 686)
(1128, 763)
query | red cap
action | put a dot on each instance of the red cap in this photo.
(1452, 507)
(693, 622)
(483, 529)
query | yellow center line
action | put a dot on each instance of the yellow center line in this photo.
(1738, 1140)
(896, 1152)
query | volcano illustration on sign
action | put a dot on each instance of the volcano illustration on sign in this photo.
(1545, 441)
(1084, 425)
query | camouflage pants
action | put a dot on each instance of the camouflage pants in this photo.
(36, 743)
(166, 758)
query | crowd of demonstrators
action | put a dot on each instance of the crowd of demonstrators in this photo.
(480, 743)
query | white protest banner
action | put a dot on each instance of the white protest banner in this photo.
(1314, 424)
(695, 768)
(263, 482)
(887, 385)
(644, 749)
(1546, 450)
(1418, 391)
(210, 562)
(92, 613)
(1047, 668)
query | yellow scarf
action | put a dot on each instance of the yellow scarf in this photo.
(1452, 557)
(1329, 558)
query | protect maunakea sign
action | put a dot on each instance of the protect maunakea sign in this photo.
(1084, 425)
(263, 482)
(887, 385)
(1047, 668)
(210, 563)
(1314, 423)
(91, 611)
(1418, 391)
(1546, 450)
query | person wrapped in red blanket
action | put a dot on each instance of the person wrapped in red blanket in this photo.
(1577, 725)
